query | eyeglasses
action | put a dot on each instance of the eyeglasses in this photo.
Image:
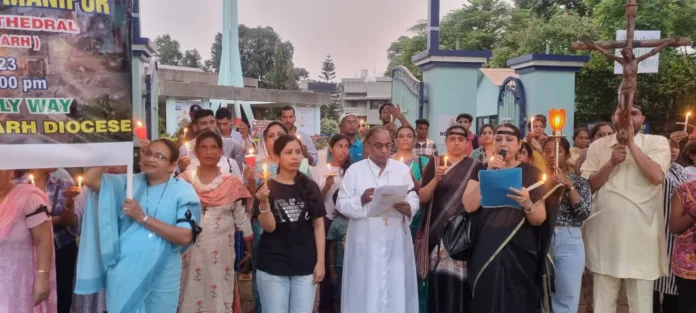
(157, 156)
(380, 146)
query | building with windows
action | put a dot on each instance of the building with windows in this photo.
(363, 96)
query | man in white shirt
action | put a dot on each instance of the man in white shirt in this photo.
(379, 258)
(624, 235)
(309, 151)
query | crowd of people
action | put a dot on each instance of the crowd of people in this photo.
(623, 218)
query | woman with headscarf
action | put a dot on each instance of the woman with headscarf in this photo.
(208, 280)
(28, 281)
(133, 249)
(445, 289)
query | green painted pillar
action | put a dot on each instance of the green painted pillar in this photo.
(451, 82)
(549, 83)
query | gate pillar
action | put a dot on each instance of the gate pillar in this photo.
(451, 80)
(549, 82)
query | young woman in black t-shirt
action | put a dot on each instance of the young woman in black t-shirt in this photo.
(291, 250)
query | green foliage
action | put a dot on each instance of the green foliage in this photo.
(328, 69)
(533, 24)
(168, 50)
(213, 64)
(192, 59)
(329, 126)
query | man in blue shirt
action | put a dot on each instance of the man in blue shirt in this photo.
(349, 125)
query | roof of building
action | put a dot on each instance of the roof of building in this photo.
(498, 75)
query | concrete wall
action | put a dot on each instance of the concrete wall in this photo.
(487, 98)
(177, 74)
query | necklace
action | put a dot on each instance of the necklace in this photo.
(147, 203)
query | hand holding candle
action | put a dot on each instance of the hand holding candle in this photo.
(539, 183)
(330, 172)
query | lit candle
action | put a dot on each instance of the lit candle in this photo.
(686, 121)
(539, 183)
(445, 160)
(330, 173)
(141, 131)
(362, 123)
(298, 137)
(79, 181)
(265, 177)
(250, 158)
(392, 118)
(186, 145)
(185, 131)
(401, 159)
(531, 125)
(31, 179)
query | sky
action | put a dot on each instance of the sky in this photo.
(355, 33)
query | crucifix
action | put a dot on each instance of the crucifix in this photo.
(629, 85)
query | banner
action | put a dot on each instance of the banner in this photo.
(65, 83)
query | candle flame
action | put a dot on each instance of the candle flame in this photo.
(688, 114)
(186, 144)
(31, 178)
(140, 124)
(79, 181)
(543, 177)
(185, 130)
(401, 159)
(298, 137)
(264, 167)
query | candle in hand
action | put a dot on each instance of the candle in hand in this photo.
(446, 161)
(250, 158)
(539, 183)
(330, 172)
(265, 176)
(362, 123)
(401, 159)
(31, 179)
(79, 181)
(686, 121)
(185, 131)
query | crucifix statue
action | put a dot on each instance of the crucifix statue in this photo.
(629, 86)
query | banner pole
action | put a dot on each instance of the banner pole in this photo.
(129, 181)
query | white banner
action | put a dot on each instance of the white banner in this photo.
(649, 65)
(444, 122)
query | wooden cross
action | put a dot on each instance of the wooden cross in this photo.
(629, 85)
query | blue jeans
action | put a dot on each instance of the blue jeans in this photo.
(569, 262)
(286, 294)
(257, 230)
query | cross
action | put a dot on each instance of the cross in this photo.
(629, 85)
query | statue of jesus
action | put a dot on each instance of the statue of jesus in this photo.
(629, 85)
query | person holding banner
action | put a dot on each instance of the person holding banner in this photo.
(133, 249)
(28, 281)
(209, 261)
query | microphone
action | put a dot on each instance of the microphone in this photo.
(503, 154)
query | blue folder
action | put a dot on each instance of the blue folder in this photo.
(495, 186)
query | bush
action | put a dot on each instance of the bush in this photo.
(328, 127)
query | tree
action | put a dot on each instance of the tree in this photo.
(477, 26)
(328, 69)
(401, 51)
(192, 59)
(168, 50)
(333, 110)
(213, 64)
(329, 126)
(258, 50)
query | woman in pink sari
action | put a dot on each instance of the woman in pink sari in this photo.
(28, 277)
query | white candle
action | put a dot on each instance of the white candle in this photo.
(539, 183)
(686, 121)
(265, 177)
(31, 179)
(558, 141)
(79, 181)
(401, 159)
(186, 145)
(445, 161)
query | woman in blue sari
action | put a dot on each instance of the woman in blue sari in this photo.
(133, 247)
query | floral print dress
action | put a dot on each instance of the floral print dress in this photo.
(208, 281)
